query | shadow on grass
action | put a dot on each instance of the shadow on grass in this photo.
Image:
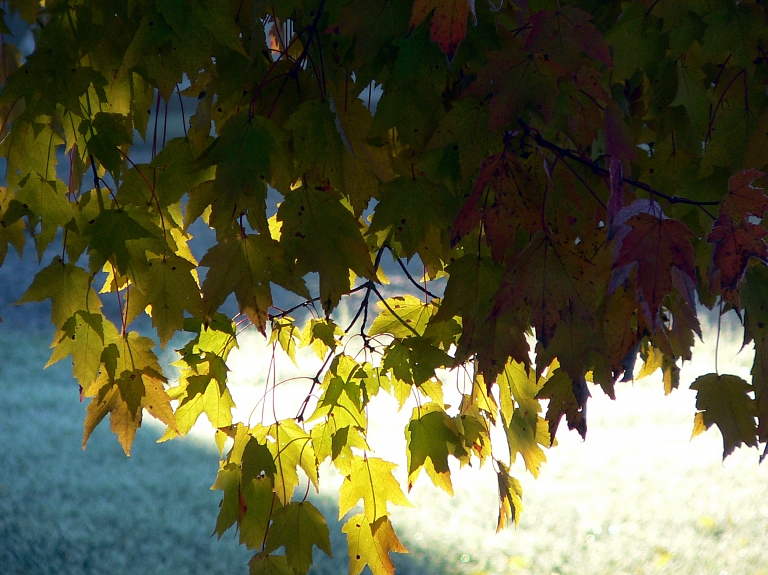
(65, 511)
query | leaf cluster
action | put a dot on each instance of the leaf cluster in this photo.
(572, 179)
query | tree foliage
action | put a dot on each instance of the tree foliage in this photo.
(576, 176)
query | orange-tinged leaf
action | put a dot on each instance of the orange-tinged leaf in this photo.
(370, 544)
(449, 22)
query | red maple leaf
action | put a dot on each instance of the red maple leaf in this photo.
(562, 32)
(449, 21)
(743, 200)
(735, 245)
(656, 245)
(511, 202)
(517, 79)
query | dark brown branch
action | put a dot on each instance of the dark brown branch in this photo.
(597, 169)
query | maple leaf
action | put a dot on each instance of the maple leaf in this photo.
(198, 394)
(449, 21)
(523, 437)
(308, 217)
(413, 212)
(246, 265)
(414, 360)
(285, 332)
(735, 246)
(568, 398)
(518, 82)
(431, 436)
(743, 198)
(67, 286)
(298, 527)
(370, 544)
(545, 279)
(723, 400)
(401, 316)
(512, 201)
(130, 382)
(323, 335)
(48, 204)
(168, 287)
(510, 497)
(342, 395)
(371, 480)
(265, 564)
(292, 448)
(83, 337)
(655, 245)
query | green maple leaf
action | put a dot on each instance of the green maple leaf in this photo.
(198, 394)
(173, 173)
(523, 437)
(292, 448)
(228, 481)
(510, 497)
(130, 382)
(323, 236)
(414, 360)
(370, 544)
(107, 133)
(67, 286)
(298, 527)
(248, 154)
(48, 203)
(431, 436)
(168, 287)
(29, 148)
(409, 209)
(401, 316)
(331, 440)
(322, 335)
(559, 389)
(110, 233)
(10, 232)
(371, 480)
(124, 399)
(516, 384)
(285, 332)
(342, 394)
(258, 500)
(316, 141)
(246, 265)
(261, 564)
(692, 95)
(83, 337)
(723, 400)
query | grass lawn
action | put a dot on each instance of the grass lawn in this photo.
(636, 497)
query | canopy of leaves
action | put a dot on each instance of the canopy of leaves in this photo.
(572, 180)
